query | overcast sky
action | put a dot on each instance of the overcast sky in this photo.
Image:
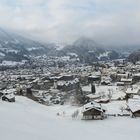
(105, 21)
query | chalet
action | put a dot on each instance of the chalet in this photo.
(93, 110)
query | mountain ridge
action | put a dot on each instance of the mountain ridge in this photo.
(15, 47)
(88, 51)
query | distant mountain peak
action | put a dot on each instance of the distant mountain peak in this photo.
(88, 51)
(84, 41)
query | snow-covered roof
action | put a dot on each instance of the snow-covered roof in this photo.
(122, 83)
(36, 80)
(61, 83)
(134, 104)
(93, 96)
(136, 97)
(137, 74)
(126, 80)
(132, 90)
(104, 99)
(94, 76)
(9, 91)
(122, 74)
(94, 105)
(10, 96)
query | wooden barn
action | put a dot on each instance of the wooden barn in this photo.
(93, 110)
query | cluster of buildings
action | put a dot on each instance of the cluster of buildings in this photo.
(62, 80)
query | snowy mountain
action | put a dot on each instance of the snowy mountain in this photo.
(15, 47)
(89, 51)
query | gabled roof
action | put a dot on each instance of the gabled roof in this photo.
(93, 105)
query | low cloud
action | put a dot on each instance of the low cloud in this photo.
(106, 21)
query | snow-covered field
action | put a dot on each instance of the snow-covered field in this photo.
(28, 120)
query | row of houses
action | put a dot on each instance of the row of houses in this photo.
(94, 110)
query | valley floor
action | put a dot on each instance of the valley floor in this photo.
(28, 120)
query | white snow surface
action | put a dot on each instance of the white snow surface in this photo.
(28, 120)
(12, 63)
(115, 91)
(105, 54)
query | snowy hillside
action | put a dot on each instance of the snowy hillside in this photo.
(89, 51)
(28, 120)
(16, 48)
